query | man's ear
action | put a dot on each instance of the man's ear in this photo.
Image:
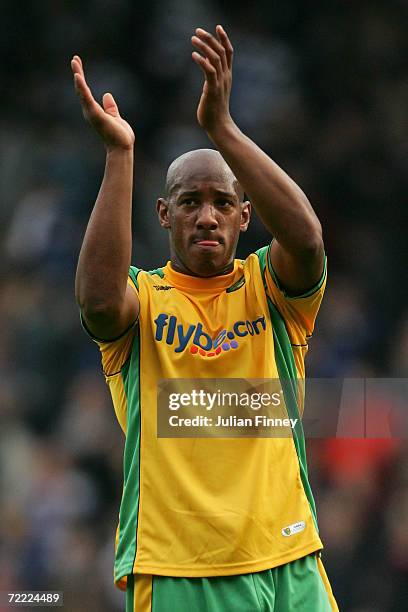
(245, 215)
(162, 208)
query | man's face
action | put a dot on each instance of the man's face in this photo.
(205, 216)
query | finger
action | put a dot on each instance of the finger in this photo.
(89, 105)
(209, 53)
(109, 105)
(214, 44)
(77, 65)
(82, 88)
(226, 43)
(210, 72)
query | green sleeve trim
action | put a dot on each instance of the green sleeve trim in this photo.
(288, 377)
(134, 273)
(297, 296)
(315, 288)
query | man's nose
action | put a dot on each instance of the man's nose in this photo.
(207, 217)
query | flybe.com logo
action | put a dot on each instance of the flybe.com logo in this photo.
(173, 333)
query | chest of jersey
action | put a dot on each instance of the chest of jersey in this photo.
(206, 506)
(205, 334)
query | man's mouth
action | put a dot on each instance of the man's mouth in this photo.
(207, 244)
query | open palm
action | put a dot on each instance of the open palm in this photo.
(106, 120)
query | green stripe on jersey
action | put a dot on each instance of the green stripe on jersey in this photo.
(129, 507)
(285, 363)
(288, 376)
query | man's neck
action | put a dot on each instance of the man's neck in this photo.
(180, 267)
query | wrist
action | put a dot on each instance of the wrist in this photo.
(119, 151)
(222, 129)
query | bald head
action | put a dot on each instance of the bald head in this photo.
(200, 164)
(204, 213)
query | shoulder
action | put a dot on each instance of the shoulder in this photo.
(138, 275)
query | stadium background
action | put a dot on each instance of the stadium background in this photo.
(323, 88)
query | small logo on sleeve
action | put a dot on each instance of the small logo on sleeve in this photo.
(294, 528)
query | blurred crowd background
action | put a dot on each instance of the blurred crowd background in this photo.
(323, 88)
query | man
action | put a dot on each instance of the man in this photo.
(206, 524)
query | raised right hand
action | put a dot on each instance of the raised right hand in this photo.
(115, 132)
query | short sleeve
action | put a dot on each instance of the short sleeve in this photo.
(299, 311)
(115, 352)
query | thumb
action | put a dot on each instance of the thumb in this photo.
(109, 105)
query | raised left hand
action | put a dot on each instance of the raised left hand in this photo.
(215, 60)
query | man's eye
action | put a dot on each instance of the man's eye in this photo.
(223, 203)
(189, 201)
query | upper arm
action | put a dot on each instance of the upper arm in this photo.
(109, 325)
(297, 273)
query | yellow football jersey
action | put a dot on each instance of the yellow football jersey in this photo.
(211, 506)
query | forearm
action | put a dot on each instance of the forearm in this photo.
(280, 203)
(105, 255)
